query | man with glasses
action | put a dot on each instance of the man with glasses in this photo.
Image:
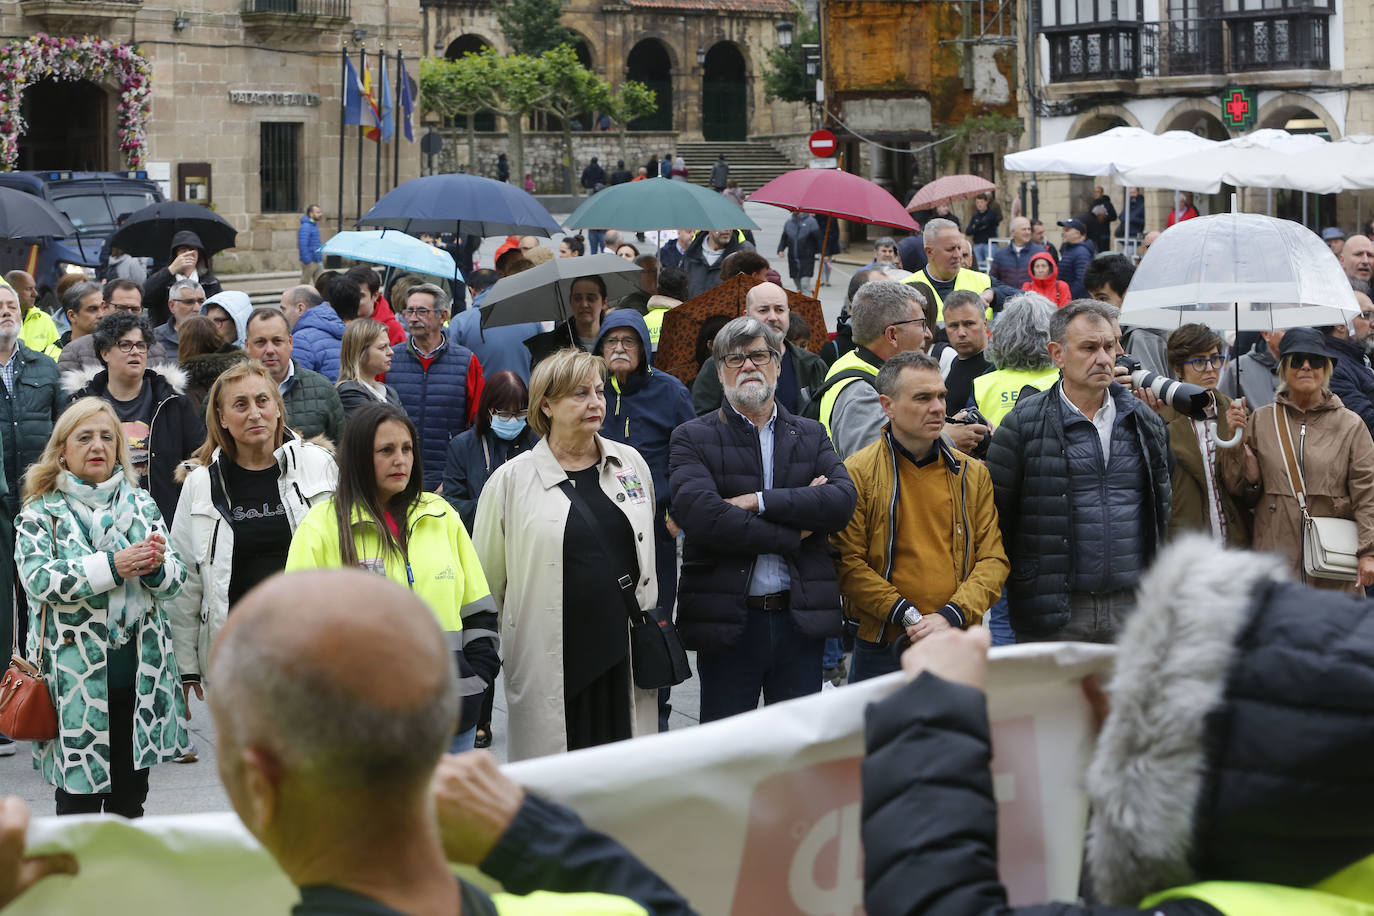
(184, 299)
(1353, 380)
(800, 373)
(119, 295)
(643, 407)
(439, 382)
(758, 491)
(886, 318)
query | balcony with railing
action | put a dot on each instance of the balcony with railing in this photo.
(1235, 42)
(295, 15)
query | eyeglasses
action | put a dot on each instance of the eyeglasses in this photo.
(418, 313)
(129, 346)
(1203, 363)
(200, 301)
(1367, 316)
(129, 309)
(1306, 361)
(757, 357)
(509, 414)
(625, 343)
(920, 321)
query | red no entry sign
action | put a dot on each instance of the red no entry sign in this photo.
(822, 144)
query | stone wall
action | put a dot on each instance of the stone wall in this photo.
(544, 153)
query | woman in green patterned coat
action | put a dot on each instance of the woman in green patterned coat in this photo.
(93, 557)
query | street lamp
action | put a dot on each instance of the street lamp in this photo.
(784, 29)
(701, 57)
(812, 55)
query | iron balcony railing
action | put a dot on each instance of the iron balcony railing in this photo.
(332, 9)
(1236, 43)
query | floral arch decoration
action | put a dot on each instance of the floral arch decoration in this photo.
(24, 61)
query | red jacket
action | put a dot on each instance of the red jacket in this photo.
(381, 311)
(1051, 287)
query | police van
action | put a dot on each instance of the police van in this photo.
(94, 202)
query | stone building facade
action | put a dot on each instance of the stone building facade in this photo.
(1305, 66)
(245, 113)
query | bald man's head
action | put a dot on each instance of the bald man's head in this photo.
(768, 303)
(329, 681)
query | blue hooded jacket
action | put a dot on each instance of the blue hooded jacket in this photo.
(644, 411)
(316, 339)
(308, 241)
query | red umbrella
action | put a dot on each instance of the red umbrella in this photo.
(948, 189)
(835, 193)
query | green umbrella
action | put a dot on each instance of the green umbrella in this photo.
(658, 203)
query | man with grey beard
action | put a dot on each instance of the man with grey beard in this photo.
(757, 490)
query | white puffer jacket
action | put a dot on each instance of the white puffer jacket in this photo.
(204, 539)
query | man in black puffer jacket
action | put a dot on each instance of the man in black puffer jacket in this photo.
(1231, 777)
(758, 491)
(1081, 474)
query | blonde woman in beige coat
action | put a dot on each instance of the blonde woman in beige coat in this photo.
(564, 623)
(1333, 449)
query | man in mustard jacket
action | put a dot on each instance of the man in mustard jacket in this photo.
(922, 551)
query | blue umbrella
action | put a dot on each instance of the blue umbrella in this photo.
(394, 249)
(463, 205)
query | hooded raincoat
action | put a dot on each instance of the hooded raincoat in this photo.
(1051, 287)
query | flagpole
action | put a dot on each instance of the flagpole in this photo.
(362, 58)
(377, 178)
(396, 122)
(343, 118)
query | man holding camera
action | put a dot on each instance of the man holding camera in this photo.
(922, 551)
(1081, 474)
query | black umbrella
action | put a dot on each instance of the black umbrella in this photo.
(147, 233)
(23, 216)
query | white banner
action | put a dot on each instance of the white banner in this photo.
(754, 814)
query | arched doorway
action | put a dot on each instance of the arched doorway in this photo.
(1205, 121)
(459, 47)
(1081, 186)
(649, 64)
(1315, 211)
(724, 95)
(583, 120)
(67, 126)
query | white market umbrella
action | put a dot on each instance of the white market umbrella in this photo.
(1240, 271)
(1107, 153)
(1267, 158)
(1351, 158)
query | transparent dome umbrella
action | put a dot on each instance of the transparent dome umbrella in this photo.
(1241, 272)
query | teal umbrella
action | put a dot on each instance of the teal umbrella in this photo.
(658, 203)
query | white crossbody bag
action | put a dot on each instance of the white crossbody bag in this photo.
(1329, 545)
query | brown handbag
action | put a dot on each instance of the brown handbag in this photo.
(26, 710)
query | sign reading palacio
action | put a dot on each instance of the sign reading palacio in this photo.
(264, 97)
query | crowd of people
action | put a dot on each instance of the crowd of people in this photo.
(966, 456)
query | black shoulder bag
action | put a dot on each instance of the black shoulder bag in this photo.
(657, 658)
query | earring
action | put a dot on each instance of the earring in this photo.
(62, 460)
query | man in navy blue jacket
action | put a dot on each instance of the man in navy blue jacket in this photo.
(757, 490)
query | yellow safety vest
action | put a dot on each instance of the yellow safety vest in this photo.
(971, 280)
(996, 392)
(654, 321)
(851, 360)
(1349, 892)
(541, 903)
(38, 332)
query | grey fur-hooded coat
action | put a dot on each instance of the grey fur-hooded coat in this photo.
(1237, 752)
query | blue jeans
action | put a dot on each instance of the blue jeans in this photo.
(596, 241)
(771, 657)
(463, 741)
(871, 661)
(832, 654)
(999, 622)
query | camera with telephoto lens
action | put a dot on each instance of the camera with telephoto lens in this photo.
(972, 416)
(1192, 400)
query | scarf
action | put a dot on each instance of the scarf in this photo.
(106, 511)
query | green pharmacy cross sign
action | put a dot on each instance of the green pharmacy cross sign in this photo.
(1238, 108)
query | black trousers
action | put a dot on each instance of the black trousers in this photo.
(128, 786)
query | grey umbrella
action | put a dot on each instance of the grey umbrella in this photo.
(23, 216)
(542, 293)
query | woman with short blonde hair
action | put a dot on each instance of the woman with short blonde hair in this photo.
(93, 557)
(558, 528)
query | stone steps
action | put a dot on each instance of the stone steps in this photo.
(751, 164)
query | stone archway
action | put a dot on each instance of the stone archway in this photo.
(1100, 118)
(651, 64)
(68, 126)
(470, 43)
(1204, 119)
(725, 94)
(1300, 115)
